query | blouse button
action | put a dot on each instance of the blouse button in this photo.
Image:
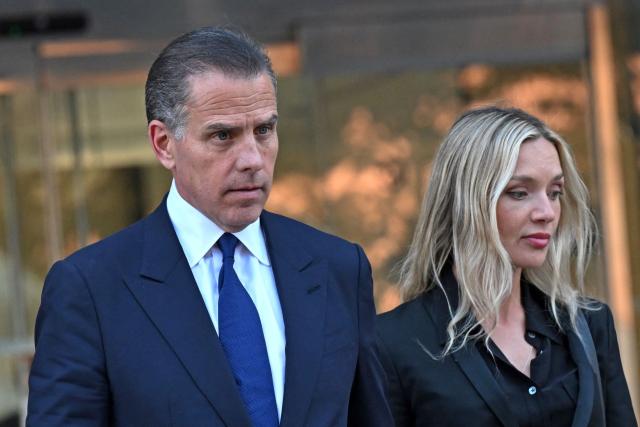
(532, 390)
(531, 335)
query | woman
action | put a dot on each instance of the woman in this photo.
(496, 331)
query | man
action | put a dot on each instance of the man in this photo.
(210, 311)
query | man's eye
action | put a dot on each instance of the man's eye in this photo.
(222, 135)
(263, 130)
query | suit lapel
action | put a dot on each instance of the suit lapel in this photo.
(477, 371)
(586, 387)
(302, 289)
(167, 292)
(468, 358)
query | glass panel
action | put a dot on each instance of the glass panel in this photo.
(375, 136)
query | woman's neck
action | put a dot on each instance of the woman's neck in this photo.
(511, 310)
(508, 334)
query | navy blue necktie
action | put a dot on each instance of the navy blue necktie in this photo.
(240, 333)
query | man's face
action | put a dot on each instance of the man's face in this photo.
(224, 164)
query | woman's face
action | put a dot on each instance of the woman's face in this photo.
(528, 210)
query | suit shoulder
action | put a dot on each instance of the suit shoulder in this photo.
(119, 243)
(406, 315)
(594, 309)
(408, 330)
(599, 318)
(292, 226)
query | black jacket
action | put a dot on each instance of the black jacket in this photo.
(460, 390)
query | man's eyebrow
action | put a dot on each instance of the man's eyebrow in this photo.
(220, 126)
(527, 178)
(271, 120)
(228, 127)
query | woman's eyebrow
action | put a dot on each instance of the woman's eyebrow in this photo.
(527, 178)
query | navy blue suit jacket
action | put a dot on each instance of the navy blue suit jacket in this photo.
(123, 337)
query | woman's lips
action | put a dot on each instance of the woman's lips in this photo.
(538, 240)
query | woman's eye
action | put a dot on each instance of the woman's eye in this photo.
(554, 195)
(518, 195)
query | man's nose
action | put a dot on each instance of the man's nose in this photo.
(249, 155)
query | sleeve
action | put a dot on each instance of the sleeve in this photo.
(617, 402)
(368, 405)
(67, 382)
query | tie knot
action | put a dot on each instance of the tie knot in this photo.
(227, 244)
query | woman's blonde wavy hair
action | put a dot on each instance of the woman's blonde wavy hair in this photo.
(458, 222)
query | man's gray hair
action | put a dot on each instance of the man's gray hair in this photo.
(230, 52)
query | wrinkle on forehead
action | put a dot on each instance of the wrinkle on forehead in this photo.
(230, 108)
(217, 94)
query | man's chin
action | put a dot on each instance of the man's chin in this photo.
(241, 218)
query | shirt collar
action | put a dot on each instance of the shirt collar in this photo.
(538, 317)
(253, 239)
(197, 233)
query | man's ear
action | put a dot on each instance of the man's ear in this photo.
(162, 142)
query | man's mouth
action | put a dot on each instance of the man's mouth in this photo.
(246, 190)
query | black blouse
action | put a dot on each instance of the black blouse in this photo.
(549, 396)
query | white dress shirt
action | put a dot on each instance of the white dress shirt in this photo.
(197, 235)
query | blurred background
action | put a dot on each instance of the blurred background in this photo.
(367, 89)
